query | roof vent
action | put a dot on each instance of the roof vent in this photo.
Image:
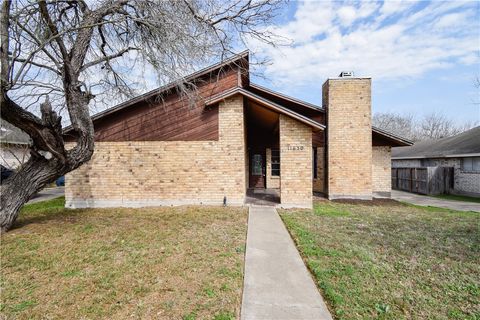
(346, 74)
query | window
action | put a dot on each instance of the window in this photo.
(275, 162)
(315, 163)
(471, 164)
(257, 165)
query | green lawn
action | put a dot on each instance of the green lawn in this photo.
(391, 261)
(156, 263)
(458, 198)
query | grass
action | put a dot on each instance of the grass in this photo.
(155, 263)
(458, 198)
(391, 261)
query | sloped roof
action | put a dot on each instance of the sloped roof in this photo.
(11, 134)
(266, 103)
(400, 141)
(256, 90)
(229, 61)
(464, 144)
(285, 97)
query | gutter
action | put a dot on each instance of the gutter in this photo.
(439, 156)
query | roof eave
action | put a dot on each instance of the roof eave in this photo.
(402, 141)
(266, 103)
(438, 156)
(283, 96)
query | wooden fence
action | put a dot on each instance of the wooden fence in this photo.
(425, 180)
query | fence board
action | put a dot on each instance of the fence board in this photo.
(423, 180)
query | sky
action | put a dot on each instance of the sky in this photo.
(423, 56)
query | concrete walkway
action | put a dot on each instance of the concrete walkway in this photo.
(421, 200)
(48, 194)
(277, 284)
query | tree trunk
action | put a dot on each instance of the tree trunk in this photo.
(22, 185)
(46, 132)
(33, 176)
(39, 171)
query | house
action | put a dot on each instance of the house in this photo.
(14, 145)
(158, 149)
(462, 152)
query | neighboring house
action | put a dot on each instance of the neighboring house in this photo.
(238, 136)
(14, 145)
(462, 152)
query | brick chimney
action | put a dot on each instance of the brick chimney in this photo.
(347, 101)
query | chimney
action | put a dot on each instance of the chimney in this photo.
(347, 101)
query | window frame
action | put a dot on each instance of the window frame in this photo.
(274, 172)
(472, 167)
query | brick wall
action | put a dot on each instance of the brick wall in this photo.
(349, 138)
(381, 172)
(143, 173)
(273, 182)
(295, 163)
(408, 163)
(466, 182)
(319, 183)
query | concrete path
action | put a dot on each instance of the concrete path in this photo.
(277, 284)
(434, 202)
(48, 194)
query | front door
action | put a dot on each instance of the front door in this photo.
(257, 169)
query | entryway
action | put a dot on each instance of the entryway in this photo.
(257, 168)
(263, 156)
(263, 197)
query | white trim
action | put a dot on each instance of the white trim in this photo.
(350, 196)
(119, 203)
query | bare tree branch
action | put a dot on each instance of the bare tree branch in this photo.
(429, 127)
(61, 55)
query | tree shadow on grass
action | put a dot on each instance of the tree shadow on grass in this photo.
(55, 215)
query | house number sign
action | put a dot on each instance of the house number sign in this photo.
(294, 148)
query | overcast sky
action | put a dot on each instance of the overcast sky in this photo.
(422, 56)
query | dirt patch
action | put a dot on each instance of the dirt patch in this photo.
(373, 202)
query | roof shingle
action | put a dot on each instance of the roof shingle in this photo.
(465, 143)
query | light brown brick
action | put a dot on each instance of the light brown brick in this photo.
(295, 163)
(349, 153)
(145, 173)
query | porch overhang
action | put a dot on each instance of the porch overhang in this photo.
(267, 104)
(396, 140)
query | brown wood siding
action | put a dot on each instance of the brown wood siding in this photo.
(171, 118)
(316, 115)
(318, 139)
(378, 140)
